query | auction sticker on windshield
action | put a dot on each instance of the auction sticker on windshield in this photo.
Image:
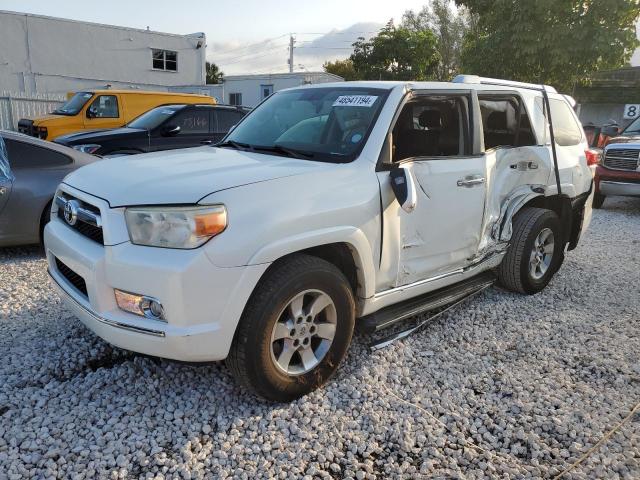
(355, 101)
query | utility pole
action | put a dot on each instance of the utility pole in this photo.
(292, 41)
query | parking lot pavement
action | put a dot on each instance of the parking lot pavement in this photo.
(506, 385)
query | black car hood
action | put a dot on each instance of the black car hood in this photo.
(97, 136)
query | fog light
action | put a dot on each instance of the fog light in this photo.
(139, 305)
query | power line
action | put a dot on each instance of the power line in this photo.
(224, 52)
(250, 56)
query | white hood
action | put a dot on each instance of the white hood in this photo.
(181, 176)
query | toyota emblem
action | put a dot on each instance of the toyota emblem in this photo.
(71, 212)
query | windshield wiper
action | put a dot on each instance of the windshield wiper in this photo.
(234, 144)
(289, 152)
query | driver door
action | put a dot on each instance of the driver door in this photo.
(432, 139)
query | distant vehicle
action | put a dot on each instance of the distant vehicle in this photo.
(619, 171)
(28, 182)
(162, 128)
(100, 109)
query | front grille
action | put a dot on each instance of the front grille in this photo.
(72, 277)
(93, 232)
(622, 159)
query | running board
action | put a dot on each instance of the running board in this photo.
(393, 314)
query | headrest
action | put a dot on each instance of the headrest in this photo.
(431, 119)
(497, 121)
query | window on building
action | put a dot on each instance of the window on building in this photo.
(104, 106)
(235, 99)
(164, 60)
(433, 126)
(265, 91)
(505, 122)
(192, 122)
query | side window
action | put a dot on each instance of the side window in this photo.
(23, 155)
(235, 99)
(192, 122)
(435, 126)
(105, 106)
(505, 122)
(566, 130)
(225, 119)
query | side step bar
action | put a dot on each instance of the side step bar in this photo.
(393, 314)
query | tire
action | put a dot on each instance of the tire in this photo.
(598, 200)
(257, 346)
(45, 218)
(515, 272)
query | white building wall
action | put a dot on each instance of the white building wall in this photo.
(43, 54)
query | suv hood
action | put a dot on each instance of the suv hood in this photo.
(181, 176)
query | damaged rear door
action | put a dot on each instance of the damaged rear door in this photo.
(433, 140)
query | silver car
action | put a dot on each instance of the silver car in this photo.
(30, 171)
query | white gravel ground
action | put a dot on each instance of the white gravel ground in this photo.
(507, 386)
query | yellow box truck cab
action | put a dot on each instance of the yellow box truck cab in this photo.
(101, 109)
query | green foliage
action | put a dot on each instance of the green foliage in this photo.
(449, 24)
(557, 42)
(396, 53)
(342, 68)
(214, 75)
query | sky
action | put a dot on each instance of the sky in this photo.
(249, 36)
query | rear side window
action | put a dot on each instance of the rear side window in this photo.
(23, 155)
(505, 122)
(566, 130)
(225, 119)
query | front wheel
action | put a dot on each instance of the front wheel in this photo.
(295, 330)
(535, 252)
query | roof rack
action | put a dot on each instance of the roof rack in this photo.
(475, 79)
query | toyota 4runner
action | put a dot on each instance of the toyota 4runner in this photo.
(325, 207)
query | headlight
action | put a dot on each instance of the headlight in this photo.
(88, 148)
(175, 227)
(42, 133)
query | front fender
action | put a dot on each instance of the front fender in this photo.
(355, 239)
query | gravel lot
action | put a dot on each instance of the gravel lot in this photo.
(505, 386)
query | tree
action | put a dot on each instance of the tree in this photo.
(557, 42)
(342, 68)
(214, 75)
(449, 24)
(396, 53)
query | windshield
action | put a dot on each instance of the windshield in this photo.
(153, 118)
(5, 168)
(633, 127)
(323, 123)
(74, 104)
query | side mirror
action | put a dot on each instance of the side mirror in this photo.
(170, 130)
(610, 130)
(404, 188)
(92, 112)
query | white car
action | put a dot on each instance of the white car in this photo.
(326, 206)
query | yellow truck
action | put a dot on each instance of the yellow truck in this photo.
(101, 109)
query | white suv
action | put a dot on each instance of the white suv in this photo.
(325, 206)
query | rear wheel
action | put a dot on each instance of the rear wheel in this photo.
(45, 218)
(295, 329)
(535, 252)
(598, 200)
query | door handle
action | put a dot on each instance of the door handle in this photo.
(206, 142)
(471, 181)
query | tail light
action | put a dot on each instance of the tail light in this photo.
(594, 156)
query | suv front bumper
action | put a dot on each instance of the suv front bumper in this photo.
(617, 182)
(203, 303)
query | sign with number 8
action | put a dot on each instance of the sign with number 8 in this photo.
(631, 111)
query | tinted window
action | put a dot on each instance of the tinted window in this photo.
(566, 129)
(192, 121)
(154, 117)
(505, 122)
(431, 127)
(23, 155)
(227, 119)
(105, 106)
(74, 104)
(164, 59)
